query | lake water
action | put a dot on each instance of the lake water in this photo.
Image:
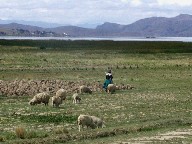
(183, 39)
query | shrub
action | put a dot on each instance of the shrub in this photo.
(42, 47)
(124, 67)
(2, 139)
(20, 132)
(61, 131)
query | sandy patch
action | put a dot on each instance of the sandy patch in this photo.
(180, 133)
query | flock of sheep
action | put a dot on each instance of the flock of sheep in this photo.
(45, 88)
(83, 120)
(61, 95)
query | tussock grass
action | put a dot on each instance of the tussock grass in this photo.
(2, 139)
(20, 132)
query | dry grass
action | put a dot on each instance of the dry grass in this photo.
(20, 132)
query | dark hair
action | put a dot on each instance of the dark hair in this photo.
(109, 71)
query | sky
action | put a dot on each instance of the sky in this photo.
(77, 12)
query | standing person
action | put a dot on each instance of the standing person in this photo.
(108, 80)
(109, 76)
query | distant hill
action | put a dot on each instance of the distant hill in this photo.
(72, 31)
(180, 25)
(32, 23)
(160, 26)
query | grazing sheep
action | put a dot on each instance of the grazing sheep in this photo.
(84, 89)
(90, 121)
(62, 94)
(40, 98)
(98, 122)
(76, 98)
(111, 88)
(56, 101)
(85, 120)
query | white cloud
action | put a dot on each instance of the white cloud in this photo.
(175, 2)
(125, 1)
(91, 11)
(132, 2)
(136, 2)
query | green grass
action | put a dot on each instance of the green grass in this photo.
(160, 101)
(49, 118)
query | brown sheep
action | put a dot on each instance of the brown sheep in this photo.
(84, 89)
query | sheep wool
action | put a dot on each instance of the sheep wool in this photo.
(90, 121)
(85, 120)
(111, 88)
(84, 89)
(56, 101)
(40, 98)
(98, 121)
(62, 94)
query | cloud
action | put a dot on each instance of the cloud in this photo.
(91, 11)
(132, 2)
(175, 2)
(124, 1)
(136, 2)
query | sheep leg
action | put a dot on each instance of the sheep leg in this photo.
(79, 128)
(46, 103)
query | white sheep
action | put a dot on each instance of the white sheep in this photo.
(90, 121)
(56, 101)
(84, 89)
(40, 98)
(85, 120)
(62, 94)
(111, 88)
(98, 122)
(76, 98)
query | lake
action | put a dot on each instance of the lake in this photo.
(183, 39)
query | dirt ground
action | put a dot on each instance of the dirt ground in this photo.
(179, 134)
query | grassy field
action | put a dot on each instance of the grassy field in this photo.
(161, 101)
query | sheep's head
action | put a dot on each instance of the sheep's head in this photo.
(78, 99)
(32, 102)
(90, 91)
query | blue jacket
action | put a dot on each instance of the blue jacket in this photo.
(106, 83)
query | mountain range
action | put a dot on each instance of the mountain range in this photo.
(179, 26)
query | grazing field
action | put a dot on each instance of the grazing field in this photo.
(158, 109)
